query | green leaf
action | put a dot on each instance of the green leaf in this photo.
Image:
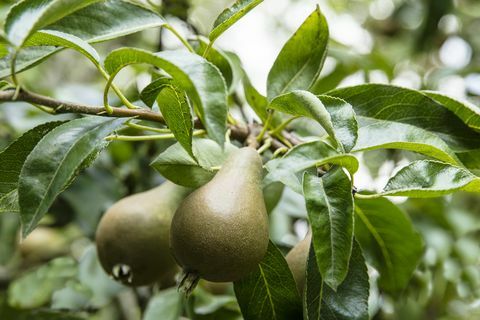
(98, 22)
(4, 85)
(395, 135)
(12, 159)
(35, 288)
(54, 162)
(57, 38)
(216, 57)
(165, 305)
(469, 113)
(395, 104)
(426, 178)
(329, 203)
(343, 120)
(334, 115)
(348, 302)
(231, 15)
(257, 101)
(28, 16)
(9, 228)
(304, 156)
(201, 80)
(269, 292)
(298, 65)
(176, 165)
(176, 110)
(150, 93)
(389, 241)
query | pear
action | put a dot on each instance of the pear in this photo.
(220, 231)
(133, 236)
(297, 260)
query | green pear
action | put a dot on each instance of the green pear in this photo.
(220, 231)
(297, 260)
(133, 236)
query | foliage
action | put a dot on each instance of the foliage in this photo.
(392, 245)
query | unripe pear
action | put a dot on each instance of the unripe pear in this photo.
(133, 236)
(297, 260)
(220, 231)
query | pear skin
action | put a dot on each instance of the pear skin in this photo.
(220, 231)
(133, 236)
(297, 260)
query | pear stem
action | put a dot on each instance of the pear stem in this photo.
(188, 282)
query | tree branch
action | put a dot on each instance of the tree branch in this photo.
(240, 133)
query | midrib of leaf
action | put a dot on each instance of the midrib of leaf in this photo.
(376, 236)
(268, 291)
(327, 202)
(91, 132)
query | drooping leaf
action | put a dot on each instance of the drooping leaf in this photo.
(304, 156)
(28, 16)
(386, 102)
(98, 22)
(306, 104)
(468, 112)
(231, 15)
(215, 56)
(166, 305)
(427, 178)
(269, 292)
(54, 162)
(388, 240)
(201, 80)
(348, 302)
(35, 288)
(329, 203)
(299, 63)
(58, 38)
(176, 165)
(176, 110)
(334, 115)
(12, 159)
(257, 101)
(150, 93)
(396, 135)
(343, 120)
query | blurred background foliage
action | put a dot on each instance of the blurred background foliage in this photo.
(421, 44)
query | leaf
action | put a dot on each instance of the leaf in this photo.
(469, 113)
(257, 101)
(231, 15)
(176, 165)
(4, 85)
(334, 115)
(395, 104)
(150, 93)
(343, 120)
(12, 159)
(389, 241)
(165, 305)
(304, 103)
(57, 38)
(426, 178)
(329, 203)
(35, 288)
(216, 57)
(27, 16)
(304, 156)
(54, 162)
(349, 302)
(176, 110)
(201, 80)
(98, 22)
(395, 135)
(270, 291)
(298, 65)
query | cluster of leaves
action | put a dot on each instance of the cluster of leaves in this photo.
(349, 230)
